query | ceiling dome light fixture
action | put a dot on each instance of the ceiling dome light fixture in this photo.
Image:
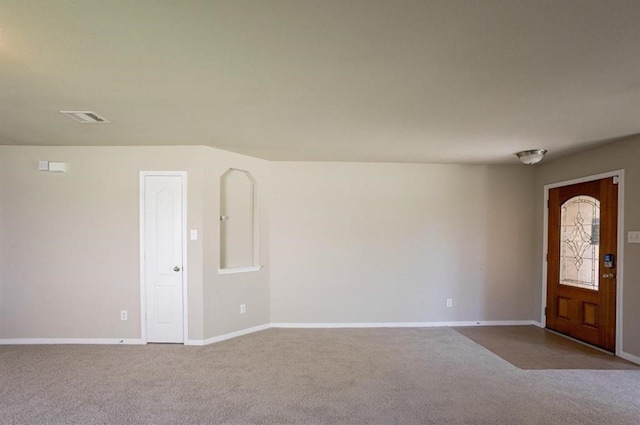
(532, 156)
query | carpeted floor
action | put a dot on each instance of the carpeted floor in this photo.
(530, 347)
(313, 376)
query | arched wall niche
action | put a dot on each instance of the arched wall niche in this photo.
(238, 222)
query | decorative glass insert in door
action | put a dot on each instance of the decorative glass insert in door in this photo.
(580, 242)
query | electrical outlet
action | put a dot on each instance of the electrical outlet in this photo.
(243, 308)
(449, 302)
(124, 315)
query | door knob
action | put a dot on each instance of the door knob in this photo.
(176, 269)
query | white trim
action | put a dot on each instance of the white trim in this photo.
(233, 270)
(134, 341)
(620, 265)
(545, 250)
(185, 268)
(619, 261)
(629, 357)
(185, 263)
(143, 289)
(403, 324)
(208, 341)
(229, 335)
(585, 179)
(538, 324)
(94, 341)
(202, 342)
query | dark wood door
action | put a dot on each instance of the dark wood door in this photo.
(581, 286)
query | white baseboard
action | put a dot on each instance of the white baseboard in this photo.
(228, 336)
(137, 341)
(629, 357)
(84, 341)
(403, 324)
(538, 324)
(202, 342)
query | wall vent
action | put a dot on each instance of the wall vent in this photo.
(86, 117)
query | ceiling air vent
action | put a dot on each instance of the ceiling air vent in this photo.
(86, 117)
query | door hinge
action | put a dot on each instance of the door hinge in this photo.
(547, 203)
(545, 311)
(616, 179)
(547, 257)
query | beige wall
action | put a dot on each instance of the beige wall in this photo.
(69, 246)
(223, 294)
(70, 242)
(340, 242)
(619, 155)
(354, 242)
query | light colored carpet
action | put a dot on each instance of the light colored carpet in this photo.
(530, 347)
(313, 376)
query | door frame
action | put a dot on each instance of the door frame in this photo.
(619, 260)
(143, 283)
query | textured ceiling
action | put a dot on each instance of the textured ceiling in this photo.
(347, 80)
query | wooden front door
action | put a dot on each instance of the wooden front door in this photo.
(581, 285)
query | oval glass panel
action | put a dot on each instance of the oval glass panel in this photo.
(580, 242)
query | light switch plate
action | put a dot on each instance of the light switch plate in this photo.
(58, 167)
(633, 237)
(194, 235)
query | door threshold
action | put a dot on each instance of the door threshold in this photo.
(595, 347)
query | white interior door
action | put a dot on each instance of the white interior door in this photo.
(163, 258)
